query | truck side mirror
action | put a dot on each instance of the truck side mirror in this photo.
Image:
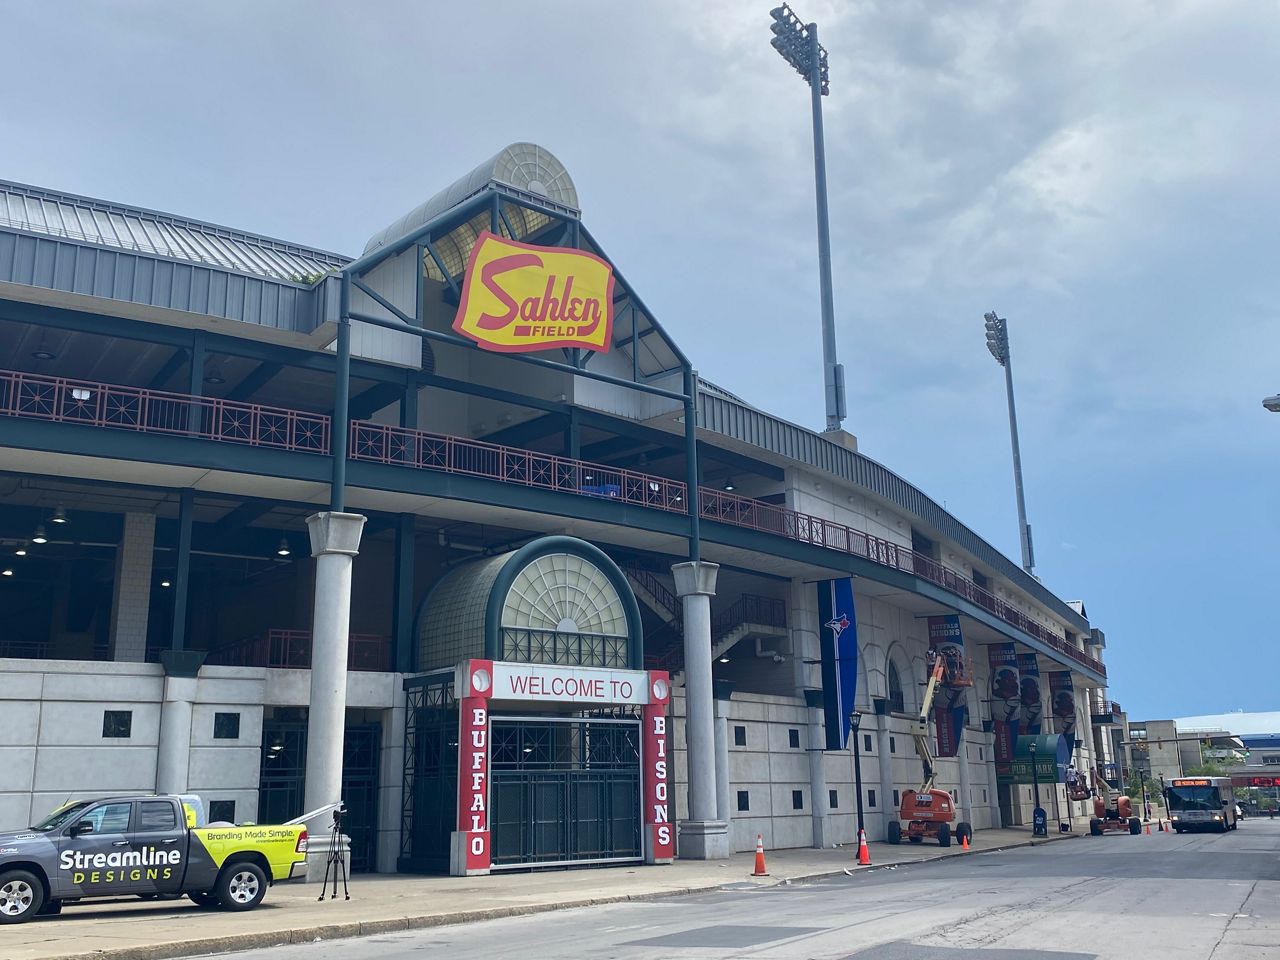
(81, 827)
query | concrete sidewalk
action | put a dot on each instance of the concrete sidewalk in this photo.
(130, 929)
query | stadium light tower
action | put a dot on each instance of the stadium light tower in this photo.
(998, 344)
(1272, 403)
(797, 43)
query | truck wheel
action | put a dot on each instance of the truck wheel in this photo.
(206, 900)
(21, 896)
(893, 833)
(241, 886)
(1095, 827)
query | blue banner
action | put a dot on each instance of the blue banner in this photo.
(1032, 700)
(951, 702)
(838, 626)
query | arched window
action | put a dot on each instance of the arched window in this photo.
(896, 702)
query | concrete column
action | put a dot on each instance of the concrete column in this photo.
(173, 754)
(818, 780)
(887, 785)
(722, 760)
(132, 598)
(966, 781)
(335, 541)
(703, 836)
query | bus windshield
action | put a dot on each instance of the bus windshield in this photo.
(1195, 798)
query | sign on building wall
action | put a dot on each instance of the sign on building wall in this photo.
(539, 682)
(520, 297)
(1062, 694)
(1006, 702)
(1032, 699)
(839, 634)
(951, 702)
(660, 839)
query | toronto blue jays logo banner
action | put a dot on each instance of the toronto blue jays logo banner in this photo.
(1032, 701)
(951, 702)
(839, 631)
(1062, 694)
(1006, 703)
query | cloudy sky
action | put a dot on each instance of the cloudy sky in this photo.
(1102, 174)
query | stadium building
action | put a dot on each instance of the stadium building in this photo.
(453, 530)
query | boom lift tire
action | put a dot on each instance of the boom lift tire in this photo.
(964, 829)
(893, 833)
(1095, 827)
(1135, 826)
(944, 834)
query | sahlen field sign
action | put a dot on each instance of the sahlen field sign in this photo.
(519, 297)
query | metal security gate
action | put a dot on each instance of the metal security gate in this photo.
(283, 773)
(564, 791)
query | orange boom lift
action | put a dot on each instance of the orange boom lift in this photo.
(929, 812)
(1109, 815)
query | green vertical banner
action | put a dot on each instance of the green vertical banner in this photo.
(950, 702)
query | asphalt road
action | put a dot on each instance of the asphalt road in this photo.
(1117, 897)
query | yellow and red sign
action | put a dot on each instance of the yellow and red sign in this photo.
(519, 297)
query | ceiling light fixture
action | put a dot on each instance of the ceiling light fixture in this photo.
(59, 515)
(214, 375)
(21, 551)
(38, 536)
(165, 583)
(728, 485)
(283, 550)
(724, 659)
(6, 572)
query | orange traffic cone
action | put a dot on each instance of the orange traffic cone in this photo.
(864, 855)
(1148, 828)
(964, 841)
(760, 870)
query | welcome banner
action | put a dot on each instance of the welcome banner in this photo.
(839, 633)
(1062, 694)
(1006, 702)
(951, 702)
(1032, 699)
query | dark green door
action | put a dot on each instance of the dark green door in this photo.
(565, 791)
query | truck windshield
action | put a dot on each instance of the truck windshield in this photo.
(1195, 798)
(60, 816)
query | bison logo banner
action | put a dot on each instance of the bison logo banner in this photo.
(951, 707)
(1006, 702)
(1062, 694)
(519, 297)
(1032, 701)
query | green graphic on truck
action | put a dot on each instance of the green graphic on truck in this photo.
(151, 847)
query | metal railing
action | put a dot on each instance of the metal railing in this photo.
(31, 396)
(766, 517)
(749, 608)
(380, 443)
(291, 649)
(656, 588)
(529, 645)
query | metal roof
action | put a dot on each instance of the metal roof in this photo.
(527, 167)
(98, 222)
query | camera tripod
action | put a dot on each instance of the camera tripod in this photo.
(335, 864)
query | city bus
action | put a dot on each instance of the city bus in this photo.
(1202, 803)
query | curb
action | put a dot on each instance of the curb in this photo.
(206, 946)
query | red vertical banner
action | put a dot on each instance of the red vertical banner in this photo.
(473, 766)
(660, 841)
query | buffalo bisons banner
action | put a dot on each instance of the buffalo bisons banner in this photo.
(1006, 702)
(839, 632)
(1032, 701)
(1062, 694)
(950, 708)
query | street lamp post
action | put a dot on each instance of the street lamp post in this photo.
(1039, 822)
(998, 344)
(797, 43)
(1146, 801)
(855, 720)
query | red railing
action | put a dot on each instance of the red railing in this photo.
(292, 649)
(31, 396)
(745, 512)
(380, 443)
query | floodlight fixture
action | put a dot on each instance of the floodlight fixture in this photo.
(1272, 403)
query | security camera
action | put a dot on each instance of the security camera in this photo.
(778, 658)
